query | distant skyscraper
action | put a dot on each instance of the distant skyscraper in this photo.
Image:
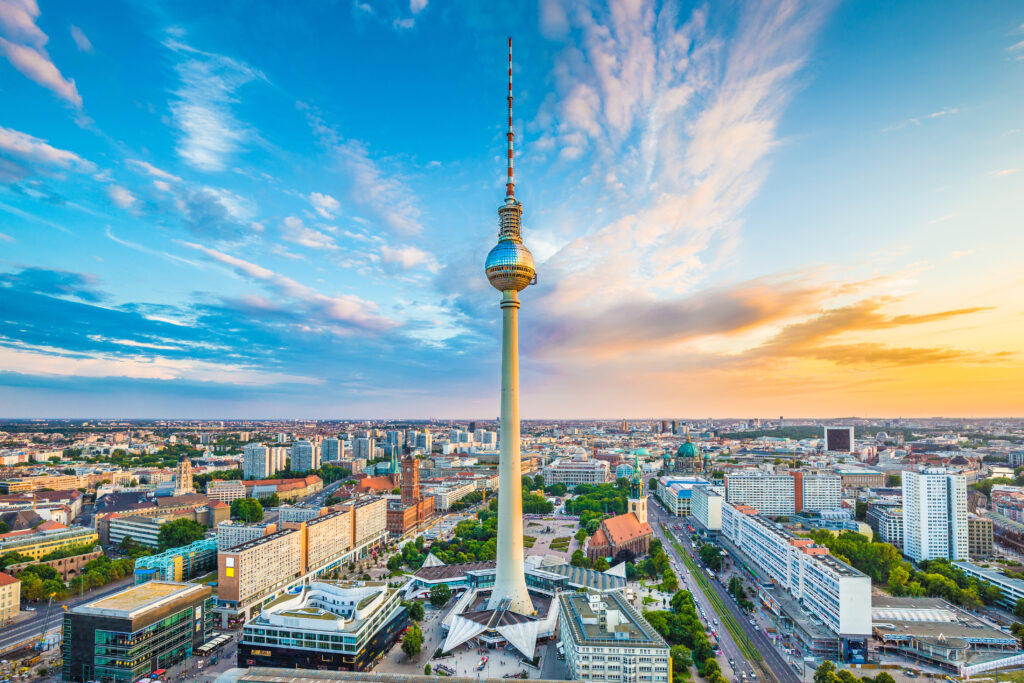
(362, 447)
(256, 462)
(396, 438)
(675, 426)
(472, 426)
(304, 456)
(935, 515)
(425, 440)
(510, 270)
(332, 449)
(839, 439)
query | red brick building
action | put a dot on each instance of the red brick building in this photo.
(412, 509)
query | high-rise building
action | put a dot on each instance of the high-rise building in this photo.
(510, 270)
(304, 456)
(396, 438)
(817, 492)
(425, 440)
(771, 494)
(934, 515)
(839, 439)
(332, 449)
(363, 448)
(256, 462)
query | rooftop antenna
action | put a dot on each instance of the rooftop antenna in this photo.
(510, 186)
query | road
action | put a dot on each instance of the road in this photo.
(773, 659)
(32, 627)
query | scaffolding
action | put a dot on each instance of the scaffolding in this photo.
(178, 564)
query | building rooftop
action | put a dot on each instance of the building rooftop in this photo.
(131, 601)
(606, 620)
(241, 547)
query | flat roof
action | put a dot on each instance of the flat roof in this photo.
(630, 631)
(135, 599)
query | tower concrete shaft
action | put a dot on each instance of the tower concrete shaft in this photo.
(510, 577)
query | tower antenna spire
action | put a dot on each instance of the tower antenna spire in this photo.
(510, 186)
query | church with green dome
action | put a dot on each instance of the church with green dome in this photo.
(689, 458)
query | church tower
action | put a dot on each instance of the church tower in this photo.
(637, 499)
(183, 476)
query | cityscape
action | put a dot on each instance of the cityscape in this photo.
(263, 421)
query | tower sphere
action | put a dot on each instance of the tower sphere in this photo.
(509, 265)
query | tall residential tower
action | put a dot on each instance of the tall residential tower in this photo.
(510, 269)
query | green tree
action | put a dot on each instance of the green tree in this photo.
(413, 641)
(538, 482)
(1018, 608)
(426, 669)
(892, 481)
(581, 536)
(415, 610)
(601, 564)
(247, 510)
(271, 501)
(711, 556)
(440, 595)
(180, 532)
(825, 673)
(884, 677)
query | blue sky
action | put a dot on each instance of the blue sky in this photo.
(282, 210)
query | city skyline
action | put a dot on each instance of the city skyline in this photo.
(786, 208)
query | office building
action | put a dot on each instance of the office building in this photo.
(772, 494)
(10, 598)
(256, 462)
(706, 506)
(305, 457)
(46, 538)
(676, 493)
(144, 530)
(979, 537)
(448, 493)
(225, 490)
(342, 626)
(230, 534)
(425, 440)
(126, 636)
(839, 439)
(606, 640)
(934, 515)
(332, 449)
(814, 586)
(575, 471)
(178, 564)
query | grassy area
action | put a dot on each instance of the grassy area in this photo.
(724, 615)
(206, 580)
(528, 541)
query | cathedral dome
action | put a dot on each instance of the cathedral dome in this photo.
(688, 450)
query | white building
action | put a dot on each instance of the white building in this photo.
(305, 456)
(230, 534)
(887, 522)
(820, 492)
(772, 494)
(225, 490)
(934, 515)
(706, 505)
(830, 590)
(606, 640)
(448, 493)
(574, 472)
(256, 462)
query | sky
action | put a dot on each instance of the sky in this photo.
(238, 209)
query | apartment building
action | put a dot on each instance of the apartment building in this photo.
(447, 493)
(818, 584)
(772, 494)
(305, 456)
(369, 518)
(10, 598)
(979, 537)
(230, 534)
(706, 506)
(328, 537)
(256, 462)
(258, 569)
(332, 449)
(606, 640)
(225, 491)
(575, 472)
(934, 515)
(817, 492)
(886, 520)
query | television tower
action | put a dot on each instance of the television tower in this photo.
(510, 270)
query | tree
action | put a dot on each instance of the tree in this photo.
(426, 669)
(415, 611)
(577, 559)
(247, 510)
(538, 482)
(271, 501)
(581, 536)
(180, 532)
(440, 595)
(711, 556)
(884, 677)
(825, 673)
(413, 641)
(601, 564)
(669, 582)
(1018, 608)
(4, 528)
(892, 481)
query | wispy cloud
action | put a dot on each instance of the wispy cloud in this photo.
(916, 121)
(325, 205)
(386, 195)
(348, 311)
(122, 197)
(407, 258)
(202, 111)
(23, 44)
(80, 39)
(31, 148)
(152, 170)
(1005, 172)
(295, 231)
